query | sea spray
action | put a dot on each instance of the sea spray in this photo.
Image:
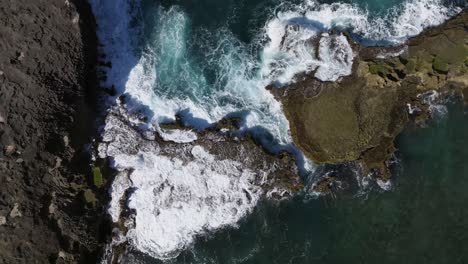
(160, 76)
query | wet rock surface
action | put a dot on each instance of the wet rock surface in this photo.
(357, 118)
(276, 177)
(277, 173)
(52, 201)
(47, 86)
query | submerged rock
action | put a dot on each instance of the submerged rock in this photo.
(358, 117)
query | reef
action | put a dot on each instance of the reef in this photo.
(357, 118)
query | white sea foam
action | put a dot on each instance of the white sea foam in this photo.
(168, 81)
(412, 109)
(436, 107)
(178, 135)
(177, 84)
(120, 184)
(386, 55)
(294, 29)
(291, 48)
(384, 185)
(175, 197)
(336, 58)
(176, 200)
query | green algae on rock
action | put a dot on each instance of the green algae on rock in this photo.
(358, 118)
(97, 177)
(89, 197)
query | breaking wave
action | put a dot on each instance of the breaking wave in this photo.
(227, 77)
(165, 67)
(175, 201)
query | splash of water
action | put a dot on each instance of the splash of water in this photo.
(161, 75)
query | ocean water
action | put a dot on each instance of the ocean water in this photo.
(209, 59)
(423, 219)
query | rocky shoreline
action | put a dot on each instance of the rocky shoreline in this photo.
(48, 97)
(54, 197)
(275, 176)
(357, 118)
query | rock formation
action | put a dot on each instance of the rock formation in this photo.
(358, 117)
(47, 86)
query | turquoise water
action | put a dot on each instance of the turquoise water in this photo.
(424, 219)
(209, 59)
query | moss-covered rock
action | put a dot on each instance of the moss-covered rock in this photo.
(358, 118)
(97, 177)
(410, 66)
(439, 65)
(89, 197)
(380, 69)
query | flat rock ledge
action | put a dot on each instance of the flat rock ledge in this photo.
(357, 118)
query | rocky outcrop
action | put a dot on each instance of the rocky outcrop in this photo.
(277, 174)
(47, 87)
(358, 118)
(127, 137)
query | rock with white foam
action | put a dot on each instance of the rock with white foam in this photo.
(176, 200)
(184, 190)
(336, 57)
(178, 135)
(117, 191)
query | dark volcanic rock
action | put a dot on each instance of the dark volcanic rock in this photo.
(47, 86)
